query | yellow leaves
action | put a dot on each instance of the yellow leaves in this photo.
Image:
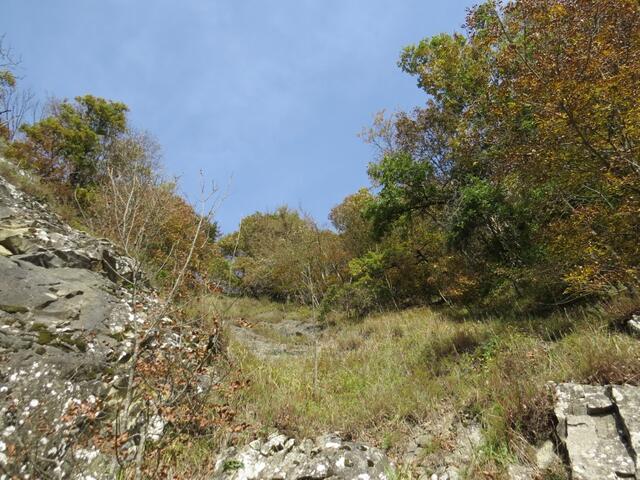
(557, 11)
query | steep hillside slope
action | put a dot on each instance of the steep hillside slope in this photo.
(65, 333)
(76, 317)
(447, 399)
(77, 323)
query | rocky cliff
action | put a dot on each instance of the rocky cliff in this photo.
(65, 333)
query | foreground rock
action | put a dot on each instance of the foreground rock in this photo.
(634, 325)
(280, 457)
(66, 330)
(600, 429)
(444, 448)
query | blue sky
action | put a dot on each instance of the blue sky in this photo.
(266, 98)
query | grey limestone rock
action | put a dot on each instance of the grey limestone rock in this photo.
(65, 320)
(599, 427)
(280, 457)
(634, 325)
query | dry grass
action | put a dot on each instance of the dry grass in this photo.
(253, 309)
(375, 378)
(46, 193)
(380, 378)
(363, 385)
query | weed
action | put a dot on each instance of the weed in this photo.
(231, 465)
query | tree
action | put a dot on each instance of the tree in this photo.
(140, 208)
(72, 144)
(567, 84)
(525, 156)
(280, 253)
(14, 103)
(348, 218)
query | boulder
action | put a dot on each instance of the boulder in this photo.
(627, 400)
(598, 427)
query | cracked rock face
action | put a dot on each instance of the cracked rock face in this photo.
(65, 322)
(600, 429)
(634, 325)
(280, 457)
(462, 439)
(31, 233)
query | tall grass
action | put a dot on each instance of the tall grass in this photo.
(381, 378)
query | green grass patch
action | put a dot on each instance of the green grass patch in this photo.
(379, 378)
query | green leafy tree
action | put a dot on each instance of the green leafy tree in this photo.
(72, 144)
(525, 154)
(285, 256)
(349, 219)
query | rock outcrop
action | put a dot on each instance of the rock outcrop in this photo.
(634, 325)
(303, 331)
(280, 457)
(66, 324)
(600, 429)
(429, 461)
